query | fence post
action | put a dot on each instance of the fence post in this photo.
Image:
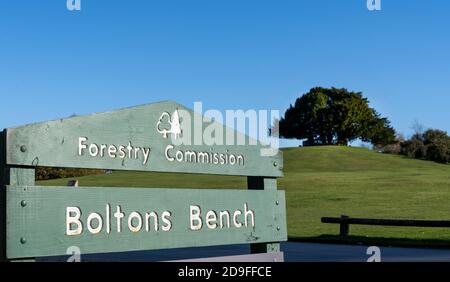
(344, 226)
(262, 183)
(73, 183)
(2, 196)
(21, 177)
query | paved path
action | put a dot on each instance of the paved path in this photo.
(294, 252)
(310, 252)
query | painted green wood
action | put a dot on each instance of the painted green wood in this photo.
(136, 138)
(269, 185)
(19, 177)
(37, 218)
(2, 196)
(57, 144)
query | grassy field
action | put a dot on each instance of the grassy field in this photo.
(330, 181)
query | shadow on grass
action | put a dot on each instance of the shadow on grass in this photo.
(375, 241)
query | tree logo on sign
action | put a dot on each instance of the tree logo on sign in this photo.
(169, 124)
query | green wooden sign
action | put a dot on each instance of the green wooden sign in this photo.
(142, 138)
(165, 137)
(46, 221)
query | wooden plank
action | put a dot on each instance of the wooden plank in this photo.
(95, 141)
(269, 185)
(43, 220)
(263, 257)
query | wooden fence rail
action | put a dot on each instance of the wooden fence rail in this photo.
(345, 222)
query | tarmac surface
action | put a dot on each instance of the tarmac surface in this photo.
(293, 252)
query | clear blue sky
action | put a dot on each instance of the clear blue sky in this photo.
(229, 54)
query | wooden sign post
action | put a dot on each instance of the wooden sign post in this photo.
(45, 221)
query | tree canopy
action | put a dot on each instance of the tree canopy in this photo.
(332, 116)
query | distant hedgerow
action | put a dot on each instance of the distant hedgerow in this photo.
(433, 145)
(46, 173)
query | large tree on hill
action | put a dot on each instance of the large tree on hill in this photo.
(329, 116)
